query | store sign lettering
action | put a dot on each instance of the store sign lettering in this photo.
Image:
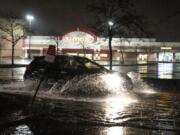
(78, 37)
(75, 39)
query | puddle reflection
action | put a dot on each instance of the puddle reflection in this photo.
(161, 70)
(165, 70)
(116, 131)
(115, 106)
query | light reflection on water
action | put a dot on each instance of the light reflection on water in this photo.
(153, 110)
(165, 70)
(12, 73)
(142, 69)
(116, 131)
(160, 70)
(116, 105)
(151, 114)
(156, 70)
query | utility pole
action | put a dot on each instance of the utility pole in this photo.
(110, 35)
(30, 18)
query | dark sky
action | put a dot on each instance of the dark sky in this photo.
(61, 15)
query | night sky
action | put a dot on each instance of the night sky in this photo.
(62, 15)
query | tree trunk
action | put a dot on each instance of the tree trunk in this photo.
(13, 44)
(122, 55)
(57, 43)
(84, 50)
(57, 48)
(110, 52)
(0, 51)
(12, 57)
(136, 54)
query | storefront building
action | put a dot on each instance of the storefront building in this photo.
(84, 43)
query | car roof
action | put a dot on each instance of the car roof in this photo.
(71, 56)
(63, 55)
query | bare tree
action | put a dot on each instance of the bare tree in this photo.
(122, 54)
(83, 47)
(56, 41)
(12, 30)
(0, 50)
(126, 21)
(55, 37)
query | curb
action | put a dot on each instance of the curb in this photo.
(12, 66)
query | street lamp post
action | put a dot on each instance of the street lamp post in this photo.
(30, 18)
(110, 35)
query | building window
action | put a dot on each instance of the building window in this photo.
(165, 56)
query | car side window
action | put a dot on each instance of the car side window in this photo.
(74, 64)
(61, 62)
(65, 63)
(88, 64)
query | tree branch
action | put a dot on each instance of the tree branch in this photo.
(5, 38)
(19, 38)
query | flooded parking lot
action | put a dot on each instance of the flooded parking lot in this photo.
(147, 109)
(147, 114)
(159, 70)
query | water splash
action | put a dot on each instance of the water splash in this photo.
(19, 130)
(139, 85)
(95, 85)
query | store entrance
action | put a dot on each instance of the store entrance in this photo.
(165, 56)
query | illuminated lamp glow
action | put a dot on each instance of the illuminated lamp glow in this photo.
(110, 23)
(30, 17)
(166, 48)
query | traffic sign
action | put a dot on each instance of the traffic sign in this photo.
(50, 55)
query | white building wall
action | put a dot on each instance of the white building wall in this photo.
(48, 40)
(130, 45)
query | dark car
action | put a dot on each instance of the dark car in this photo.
(64, 66)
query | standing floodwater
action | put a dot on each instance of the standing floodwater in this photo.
(140, 110)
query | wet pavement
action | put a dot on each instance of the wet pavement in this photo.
(12, 73)
(16, 61)
(160, 70)
(147, 110)
(157, 113)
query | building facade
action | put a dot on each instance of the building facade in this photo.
(84, 43)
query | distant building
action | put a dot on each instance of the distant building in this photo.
(84, 43)
(6, 48)
(11, 31)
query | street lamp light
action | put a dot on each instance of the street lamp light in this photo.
(30, 18)
(110, 35)
(110, 23)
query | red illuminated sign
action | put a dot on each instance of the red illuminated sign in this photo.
(79, 36)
